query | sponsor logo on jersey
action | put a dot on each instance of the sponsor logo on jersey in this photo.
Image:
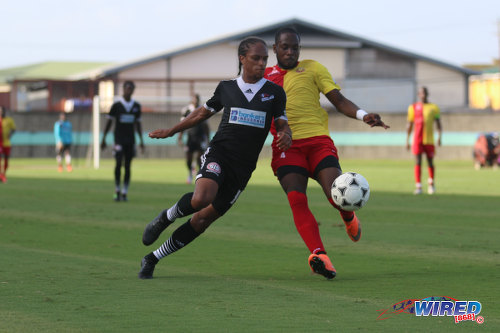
(213, 167)
(127, 118)
(266, 97)
(249, 91)
(247, 117)
(274, 71)
(300, 69)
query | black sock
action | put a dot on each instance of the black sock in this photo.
(181, 237)
(184, 207)
(152, 258)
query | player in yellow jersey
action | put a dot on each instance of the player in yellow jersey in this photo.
(8, 129)
(421, 118)
(313, 153)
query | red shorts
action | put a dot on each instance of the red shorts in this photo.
(305, 153)
(5, 151)
(429, 150)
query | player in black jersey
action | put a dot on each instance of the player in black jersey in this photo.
(197, 139)
(249, 104)
(127, 115)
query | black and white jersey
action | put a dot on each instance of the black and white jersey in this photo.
(125, 115)
(249, 110)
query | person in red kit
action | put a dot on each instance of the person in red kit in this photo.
(313, 153)
(421, 117)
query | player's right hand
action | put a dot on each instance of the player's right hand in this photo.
(160, 134)
(103, 145)
(373, 119)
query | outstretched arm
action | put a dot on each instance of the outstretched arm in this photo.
(191, 120)
(350, 109)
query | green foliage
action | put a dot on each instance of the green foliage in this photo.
(70, 254)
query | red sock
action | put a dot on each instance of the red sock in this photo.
(346, 216)
(431, 173)
(5, 164)
(305, 222)
(417, 173)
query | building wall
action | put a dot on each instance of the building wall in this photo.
(389, 95)
(333, 59)
(375, 79)
(447, 88)
(152, 70)
(214, 62)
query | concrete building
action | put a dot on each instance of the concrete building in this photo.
(378, 77)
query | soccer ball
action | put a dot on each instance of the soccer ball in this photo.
(350, 191)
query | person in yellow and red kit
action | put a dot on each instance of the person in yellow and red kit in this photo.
(421, 118)
(7, 129)
(313, 153)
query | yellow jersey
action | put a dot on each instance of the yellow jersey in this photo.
(423, 116)
(8, 126)
(303, 85)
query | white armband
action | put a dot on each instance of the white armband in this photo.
(360, 114)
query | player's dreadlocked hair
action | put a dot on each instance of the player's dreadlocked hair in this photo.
(245, 45)
(285, 30)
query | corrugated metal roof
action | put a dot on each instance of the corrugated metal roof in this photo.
(51, 70)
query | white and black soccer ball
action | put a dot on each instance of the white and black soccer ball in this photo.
(350, 191)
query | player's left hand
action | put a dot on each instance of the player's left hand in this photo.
(373, 119)
(143, 148)
(284, 140)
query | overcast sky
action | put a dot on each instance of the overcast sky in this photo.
(454, 31)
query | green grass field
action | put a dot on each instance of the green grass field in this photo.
(70, 254)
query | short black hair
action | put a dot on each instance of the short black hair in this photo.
(285, 30)
(129, 83)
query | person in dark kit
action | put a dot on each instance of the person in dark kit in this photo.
(250, 104)
(126, 113)
(197, 139)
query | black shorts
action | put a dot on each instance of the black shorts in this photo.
(121, 151)
(193, 146)
(232, 179)
(64, 147)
